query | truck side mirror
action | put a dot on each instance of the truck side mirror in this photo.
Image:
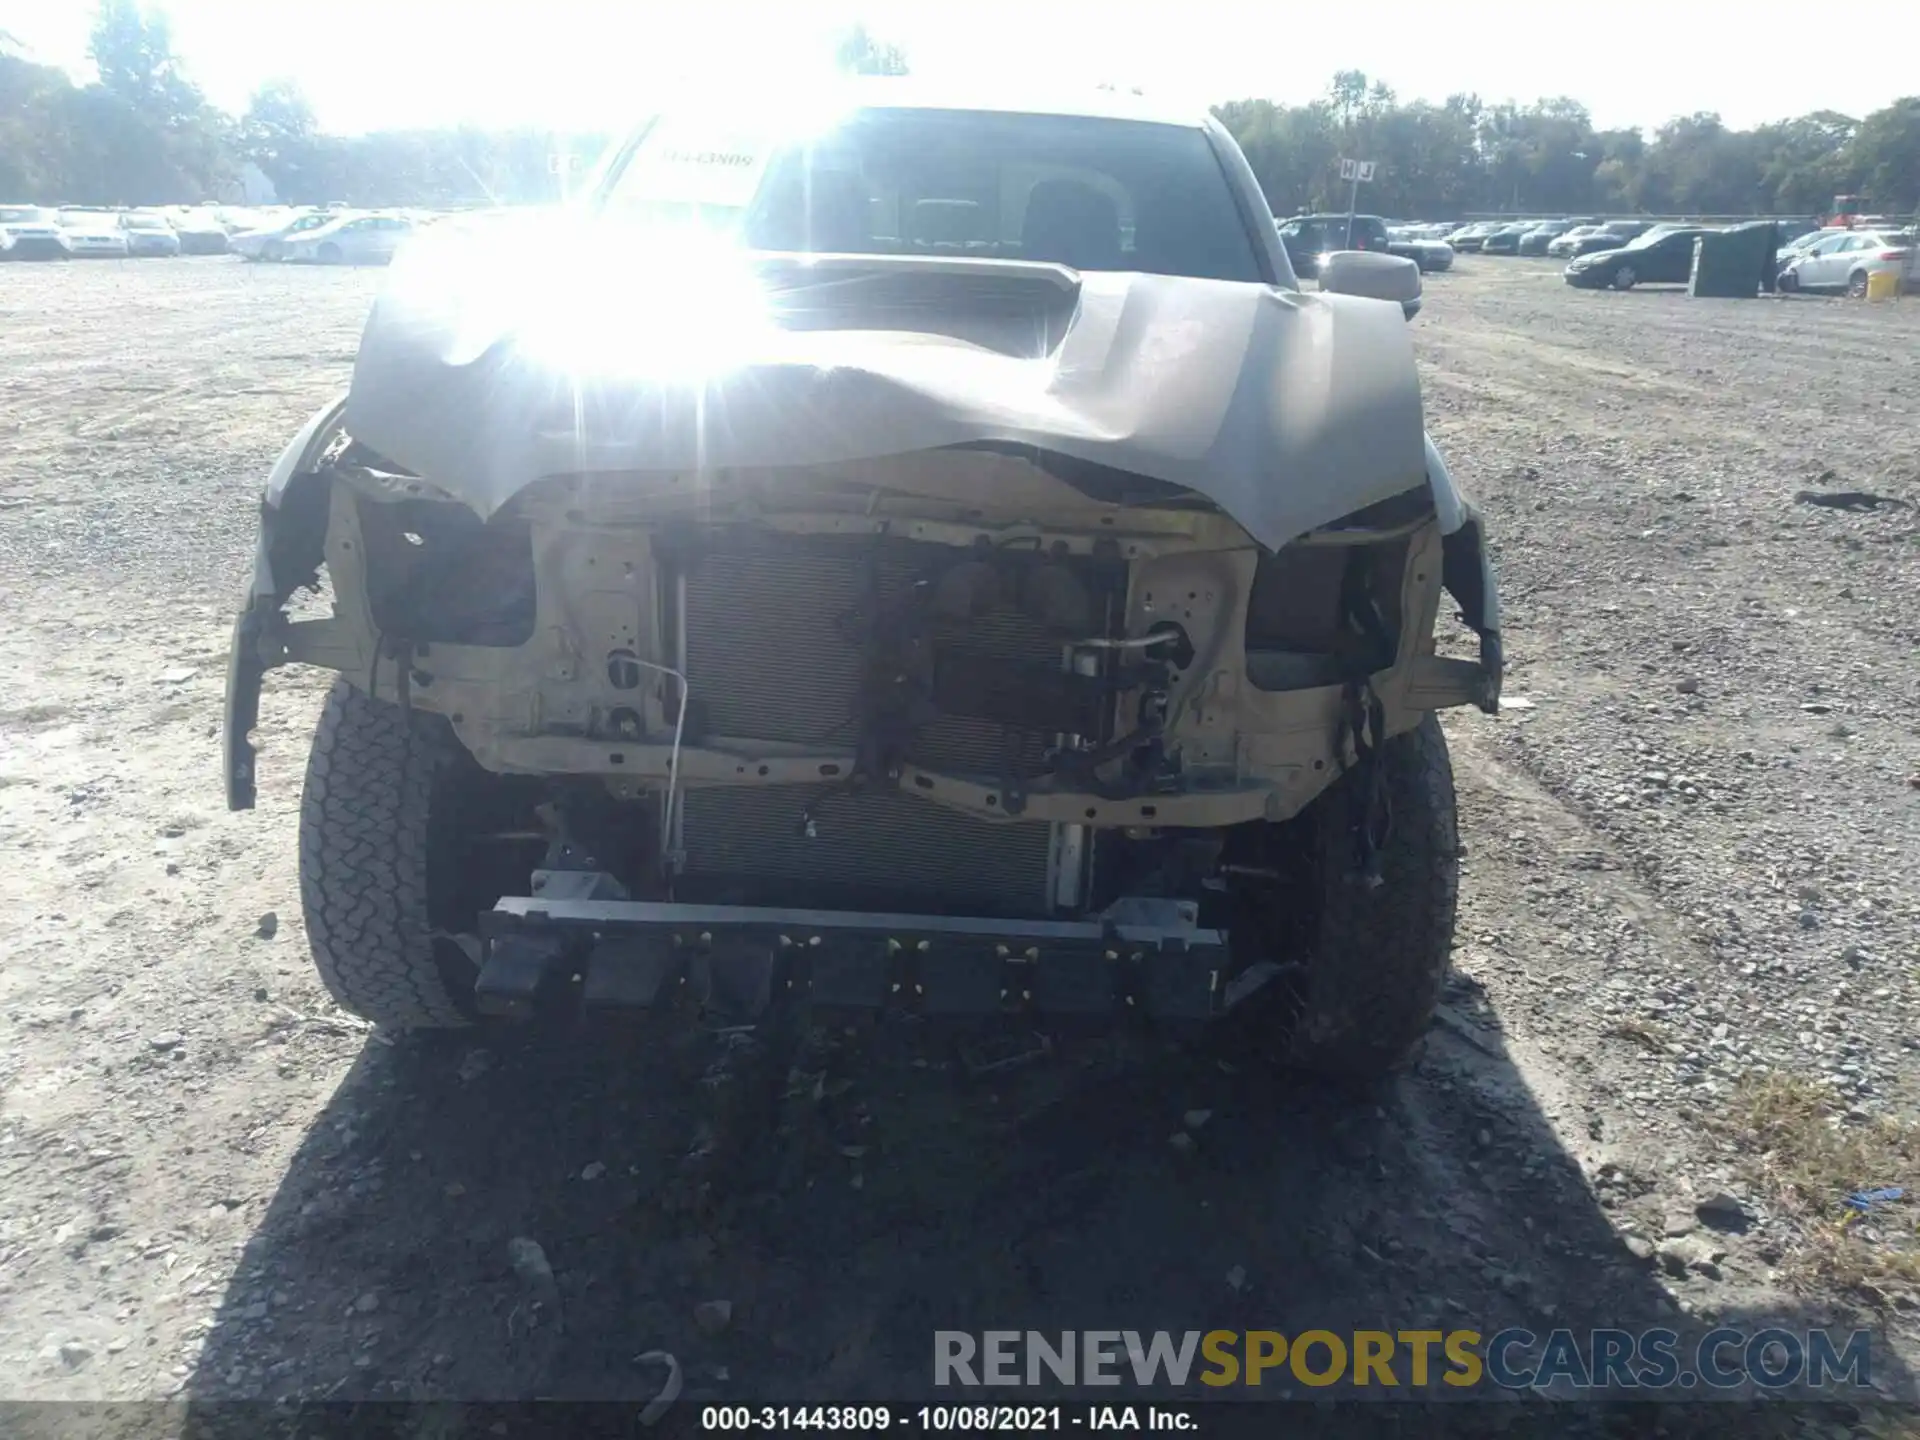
(1373, 275)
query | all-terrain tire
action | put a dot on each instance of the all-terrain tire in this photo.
(1378, 957)
(367, 842)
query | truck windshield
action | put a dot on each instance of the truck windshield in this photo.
(1092, 193)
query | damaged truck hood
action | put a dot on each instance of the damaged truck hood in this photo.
(487, 365)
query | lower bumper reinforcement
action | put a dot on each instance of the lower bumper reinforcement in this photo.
(1145, 956)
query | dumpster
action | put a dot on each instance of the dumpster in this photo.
(1717, 271)
(1735, 263)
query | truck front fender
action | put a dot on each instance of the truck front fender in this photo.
(1467, 572)
(293, 522)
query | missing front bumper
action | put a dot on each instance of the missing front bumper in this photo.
(1148, 957)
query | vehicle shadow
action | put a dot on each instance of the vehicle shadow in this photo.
(1115, 1184)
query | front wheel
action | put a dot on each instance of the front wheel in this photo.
(1788, 281)
(394, 860)
(1380, 956)
(1624, 278)
(1362, 966)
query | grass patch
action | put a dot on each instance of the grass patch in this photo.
(1799, 1148)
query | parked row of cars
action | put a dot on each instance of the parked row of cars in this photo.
(1837, 258)
(1620, 254)
(1309, 238)
(320, 235)
(42, 232)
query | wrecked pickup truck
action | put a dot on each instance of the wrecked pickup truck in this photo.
(938, 558)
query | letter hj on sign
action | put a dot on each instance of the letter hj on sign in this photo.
(1358, 171)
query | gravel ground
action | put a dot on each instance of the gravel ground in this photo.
(1693, 863)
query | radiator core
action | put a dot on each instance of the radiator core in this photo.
(771, 655)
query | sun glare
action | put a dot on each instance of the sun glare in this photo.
(654, 282)
(665, 306)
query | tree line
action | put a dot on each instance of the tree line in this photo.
(1466, 156)
(143, 133)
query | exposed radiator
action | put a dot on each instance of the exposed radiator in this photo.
(871, 851)
(771, 655)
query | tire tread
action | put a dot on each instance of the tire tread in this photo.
(364, 816)
(1381, 956)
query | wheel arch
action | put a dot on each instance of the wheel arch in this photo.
(293, 527)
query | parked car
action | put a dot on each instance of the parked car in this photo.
(201, 233)
(917, 821)
(93, 234)
(354, 240)
(1501, 239)
(1563, 245)
(1536, 240)
(1469, 237)
(149, 233)
(256, 244)
(1611, 236)
(1663, 257)
(1429, 254)
(31, 232)
(1308, 237)
(1843, 261)
(240, 219)
(1505, 239)
(1803, 243)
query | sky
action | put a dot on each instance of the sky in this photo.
(599, 64)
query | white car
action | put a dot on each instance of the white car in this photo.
(93, 234)
(200, 232)
(28, 232)
(356, 240)
(149, 232)
(1802, 244)
(1842, 260)
(263, 244)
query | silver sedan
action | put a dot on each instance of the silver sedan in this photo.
(357, 240)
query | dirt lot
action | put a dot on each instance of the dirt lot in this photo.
(1693, 861)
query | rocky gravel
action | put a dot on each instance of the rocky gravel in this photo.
(1721, 677)
(1690, 920)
